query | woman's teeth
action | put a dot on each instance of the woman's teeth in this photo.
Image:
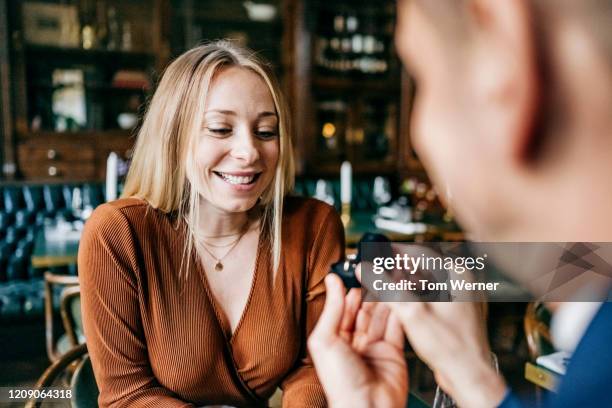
(237, 179)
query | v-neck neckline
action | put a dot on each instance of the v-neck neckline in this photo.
(221, 317)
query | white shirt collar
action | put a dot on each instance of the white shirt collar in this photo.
(569, 323)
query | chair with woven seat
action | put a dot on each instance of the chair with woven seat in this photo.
(73, 364)
(69, 303)
(83, 385)
(537, 330)
(537, 333)
(70, 310)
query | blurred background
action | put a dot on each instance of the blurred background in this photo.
(75, 78)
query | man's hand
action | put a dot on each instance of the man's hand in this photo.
(357, 351)
(450, 339)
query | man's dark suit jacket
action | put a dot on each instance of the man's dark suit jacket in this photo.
(588, 381)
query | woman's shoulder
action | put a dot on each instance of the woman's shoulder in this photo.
(298, 209)
(124, 225)
(120, 215)
(313, 231)
(310, 218)
(125, 203)
(123, 208)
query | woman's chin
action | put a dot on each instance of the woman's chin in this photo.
(236, 206)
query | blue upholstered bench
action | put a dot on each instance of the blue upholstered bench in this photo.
(23, 209)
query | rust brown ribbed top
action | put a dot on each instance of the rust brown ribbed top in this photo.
(157, 340)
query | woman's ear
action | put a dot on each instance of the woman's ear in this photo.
(506, 73)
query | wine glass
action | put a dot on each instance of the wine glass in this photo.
(324, 192)
(381, 192)
(77, 202)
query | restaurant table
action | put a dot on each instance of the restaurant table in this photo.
(62, 252)
(362, 222)
(53, 253)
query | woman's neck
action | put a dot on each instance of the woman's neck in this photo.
(216, 223)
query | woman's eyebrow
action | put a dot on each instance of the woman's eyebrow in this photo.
(229, 112)
(264, 114)
(224, 112)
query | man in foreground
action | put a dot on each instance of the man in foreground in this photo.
(512, 119)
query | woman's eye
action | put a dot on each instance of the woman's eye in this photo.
(220, 131)
(266, 134)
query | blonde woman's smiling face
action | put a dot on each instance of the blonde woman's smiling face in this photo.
(238, 147)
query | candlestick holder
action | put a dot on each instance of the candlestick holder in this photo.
(345, 215)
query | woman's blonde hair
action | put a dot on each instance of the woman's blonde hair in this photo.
(163, 168)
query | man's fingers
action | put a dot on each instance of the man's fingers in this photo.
(378, 323)
(329, 322)
(363, 317)
(409, 311)
(362, 323)
(394, 334)
(411, 315)
(351, 307)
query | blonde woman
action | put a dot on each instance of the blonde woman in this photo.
(201, 285)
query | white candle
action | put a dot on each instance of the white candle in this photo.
(111, 176)
(346, 181)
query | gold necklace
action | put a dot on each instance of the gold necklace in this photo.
(224, 235)
(223, 245)
(218, 263)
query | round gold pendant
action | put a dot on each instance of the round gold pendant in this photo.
(219, 266)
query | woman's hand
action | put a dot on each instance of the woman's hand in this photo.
(357, 350)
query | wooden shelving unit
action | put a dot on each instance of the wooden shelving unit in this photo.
(369, 111)
(36, 148)
(341, 109)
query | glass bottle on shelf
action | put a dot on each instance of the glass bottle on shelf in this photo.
(373, 56)
(101, 24)
(366, 62)
(356, 39)
(114, 34)
(338, 43)
(322, 44)
(126, 36)
(88, 19)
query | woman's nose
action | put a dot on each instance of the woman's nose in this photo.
(245, 147)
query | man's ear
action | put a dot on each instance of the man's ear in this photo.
(506, 77)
